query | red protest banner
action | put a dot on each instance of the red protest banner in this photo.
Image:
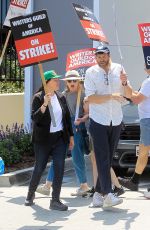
(89, 23)
(16, 9)
(20, 3)
(144, 30)
(81, 60)
(33, 38)
(34, 50)
(93, 30)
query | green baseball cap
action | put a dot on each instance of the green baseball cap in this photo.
(51, 74)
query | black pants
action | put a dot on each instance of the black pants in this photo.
(57, 148)
(105, 140)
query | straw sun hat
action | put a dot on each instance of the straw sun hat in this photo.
(72, 75)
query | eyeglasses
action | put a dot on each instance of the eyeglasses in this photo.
(69, 81)
(106, 80)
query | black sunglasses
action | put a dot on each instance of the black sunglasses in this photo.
(69, 81)
(106, 80)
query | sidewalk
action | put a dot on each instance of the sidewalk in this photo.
(22, 176)
(132, 214)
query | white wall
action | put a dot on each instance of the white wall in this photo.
(128, 14)
(11, 105)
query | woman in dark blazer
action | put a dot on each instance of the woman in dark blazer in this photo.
(49, 139)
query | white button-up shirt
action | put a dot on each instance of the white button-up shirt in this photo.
(57, 114)
(97, 82)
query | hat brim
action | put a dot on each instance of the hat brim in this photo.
(102, 52)
(72, 78)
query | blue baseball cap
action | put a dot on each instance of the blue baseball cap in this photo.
(102, 49)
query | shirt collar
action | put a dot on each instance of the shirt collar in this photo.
(110, 69)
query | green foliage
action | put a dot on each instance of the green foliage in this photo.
(10, 66)
(11, 75)
(9, 152)
(24, 144)
(11, 87)
(15, 143)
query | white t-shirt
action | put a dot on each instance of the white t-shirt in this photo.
(144, 106)
(99, 83)
(57, 114)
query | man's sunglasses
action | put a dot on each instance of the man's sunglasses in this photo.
(69, 81)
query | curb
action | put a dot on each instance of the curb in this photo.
(23, 176)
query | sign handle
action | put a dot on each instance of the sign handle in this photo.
(5, 46)
(78, 102)
(46, 91)
(42, 77)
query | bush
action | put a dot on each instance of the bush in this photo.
(11, 75)
(9, 152)
(15, 143)
(10, 68)
(24, 144)
(11, 87)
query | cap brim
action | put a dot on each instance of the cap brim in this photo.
(57, 76)
(101, 52)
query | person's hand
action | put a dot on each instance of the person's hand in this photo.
(118, 97)
(47, 99)
(123, 78)
(78, 121)
(86, 105)
(147, 71)
(71, 143)
(85, 100)
(134, 97)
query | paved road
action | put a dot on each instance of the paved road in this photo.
(133, 214)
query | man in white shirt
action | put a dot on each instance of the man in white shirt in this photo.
(105, 85)
(142, 98)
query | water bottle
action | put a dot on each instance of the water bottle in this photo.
(2, 166)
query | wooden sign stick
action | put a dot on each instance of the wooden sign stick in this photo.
(46, 91)
(78, 102)
(5, 46)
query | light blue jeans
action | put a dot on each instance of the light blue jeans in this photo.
(50, 175)
(77, 156)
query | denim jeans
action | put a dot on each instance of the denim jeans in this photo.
(78, 153)
(50, 174)
(77, 156)
(145, 131)
(56, 148)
